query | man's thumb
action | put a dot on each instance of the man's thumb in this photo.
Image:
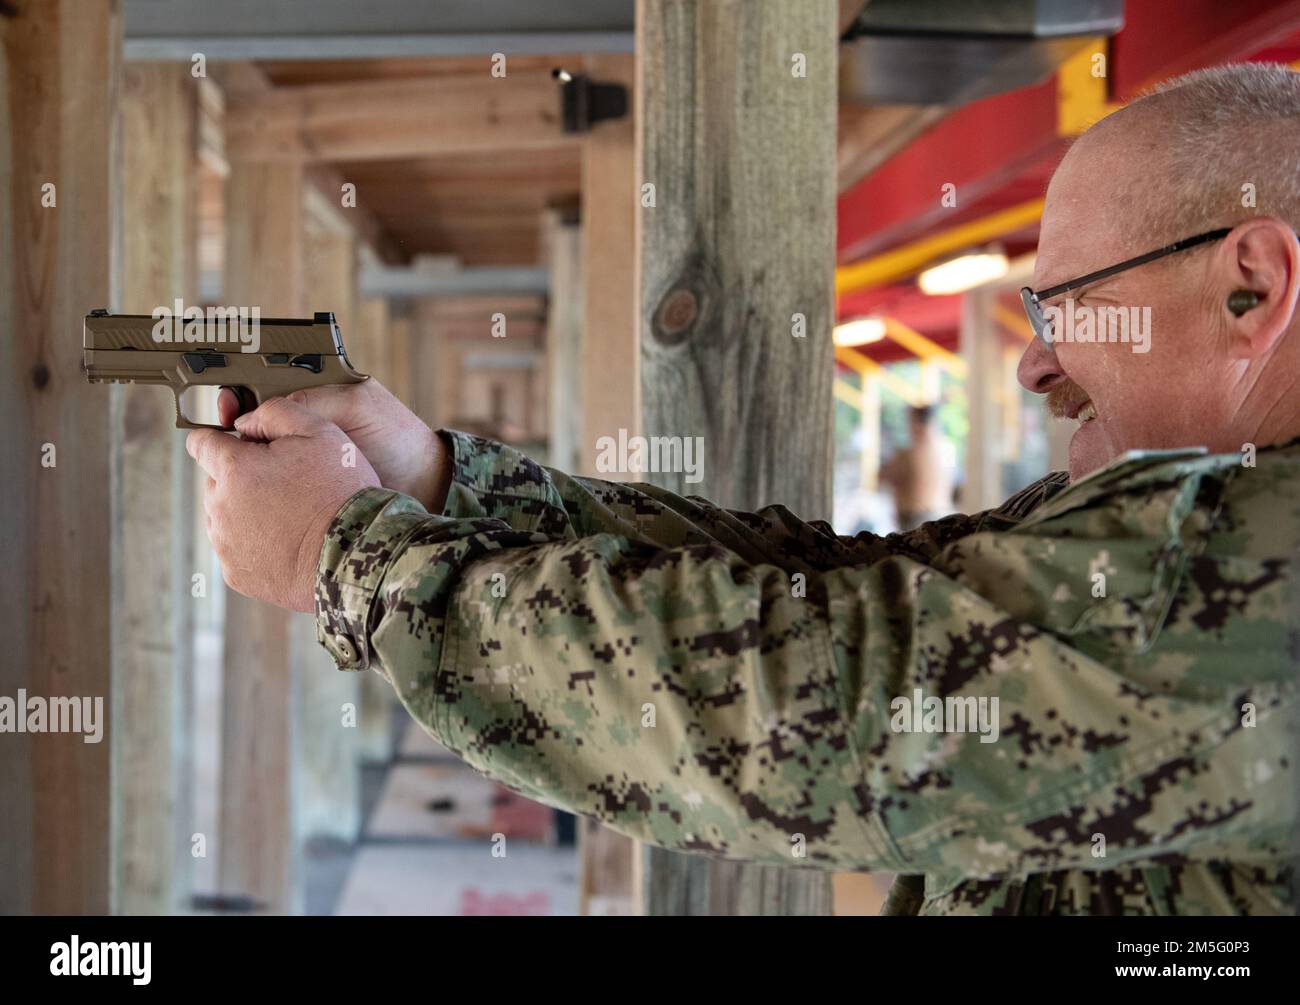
(330, 401)
(278, 418)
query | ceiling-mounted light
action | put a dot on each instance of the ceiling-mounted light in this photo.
(860, 331)
(960, 274)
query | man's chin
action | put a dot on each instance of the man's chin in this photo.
(1087, 451)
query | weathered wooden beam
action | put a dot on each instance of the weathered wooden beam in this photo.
(610, 389)
(543, 178)
(327, 717)
(981, 348)
(519, 332)
(384, 119)
(58, 81)
(478, 308)
(501, 389)
(503, 247)
(372, 350)
(736, 114)
(564, 330)
(245, 83)
(154, 510)
(402, 337)
(435, 367)
(257, 848)
(210, 126)
(353, 209)
(605, 374)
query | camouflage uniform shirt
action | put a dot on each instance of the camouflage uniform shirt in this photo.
(726, 683)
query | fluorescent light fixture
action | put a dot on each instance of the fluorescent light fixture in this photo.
(960, 274)
(860, 331)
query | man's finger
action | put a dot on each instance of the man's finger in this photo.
(213, 450)
(227, 407)
(278, 418)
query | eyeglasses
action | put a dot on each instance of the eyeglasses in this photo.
(1033, 301)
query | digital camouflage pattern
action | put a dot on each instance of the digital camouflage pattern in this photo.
(1146, 758)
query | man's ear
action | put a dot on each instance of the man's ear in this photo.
(1261, 256)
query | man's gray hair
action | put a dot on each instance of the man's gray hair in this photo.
(1230, 138)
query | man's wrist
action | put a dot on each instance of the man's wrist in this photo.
(435, 480)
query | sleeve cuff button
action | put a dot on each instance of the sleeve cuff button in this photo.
(345, 652)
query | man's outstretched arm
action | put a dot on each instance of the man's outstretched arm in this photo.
(485, 478)
(701, 698)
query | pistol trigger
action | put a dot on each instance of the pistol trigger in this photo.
(246, 398)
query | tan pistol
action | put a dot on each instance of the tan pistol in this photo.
(258, 359)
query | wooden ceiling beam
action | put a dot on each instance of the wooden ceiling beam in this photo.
(246, 84)
(361, 217)
(517, 330)
(553, 164)
(494, 219)
(386, 119)
(474, 306)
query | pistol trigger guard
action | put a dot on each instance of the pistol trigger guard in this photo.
(183, 423)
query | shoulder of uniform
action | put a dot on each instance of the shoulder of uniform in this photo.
(1032, 496)
(1138, 472)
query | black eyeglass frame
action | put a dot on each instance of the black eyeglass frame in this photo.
(1031, 300)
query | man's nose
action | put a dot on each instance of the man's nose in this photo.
(1039, 370)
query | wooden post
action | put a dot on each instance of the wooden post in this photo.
(610, 390)
(327, 724)
(154, 509)
(374, 351)
(371, 351)
(431, 372)
(256, 847)
(869, 423)
(606, 385)
(562, 239)
(58, 91)
(981, 349)
(736, 112)
(402, 335)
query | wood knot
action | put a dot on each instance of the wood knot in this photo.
(40, 376)
(677, 312)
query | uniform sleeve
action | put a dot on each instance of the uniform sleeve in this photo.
(973, 709)
(494, 480)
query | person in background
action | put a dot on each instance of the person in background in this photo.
(921, 474)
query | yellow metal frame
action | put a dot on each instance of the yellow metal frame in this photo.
(869, 369)
(927, 350)
(848, 394)
(1082, 99)
(912, 258)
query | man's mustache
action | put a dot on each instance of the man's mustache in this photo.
(1062, 396)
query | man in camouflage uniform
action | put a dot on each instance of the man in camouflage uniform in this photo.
(729, 683)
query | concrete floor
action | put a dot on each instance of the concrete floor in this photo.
(427, 845)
